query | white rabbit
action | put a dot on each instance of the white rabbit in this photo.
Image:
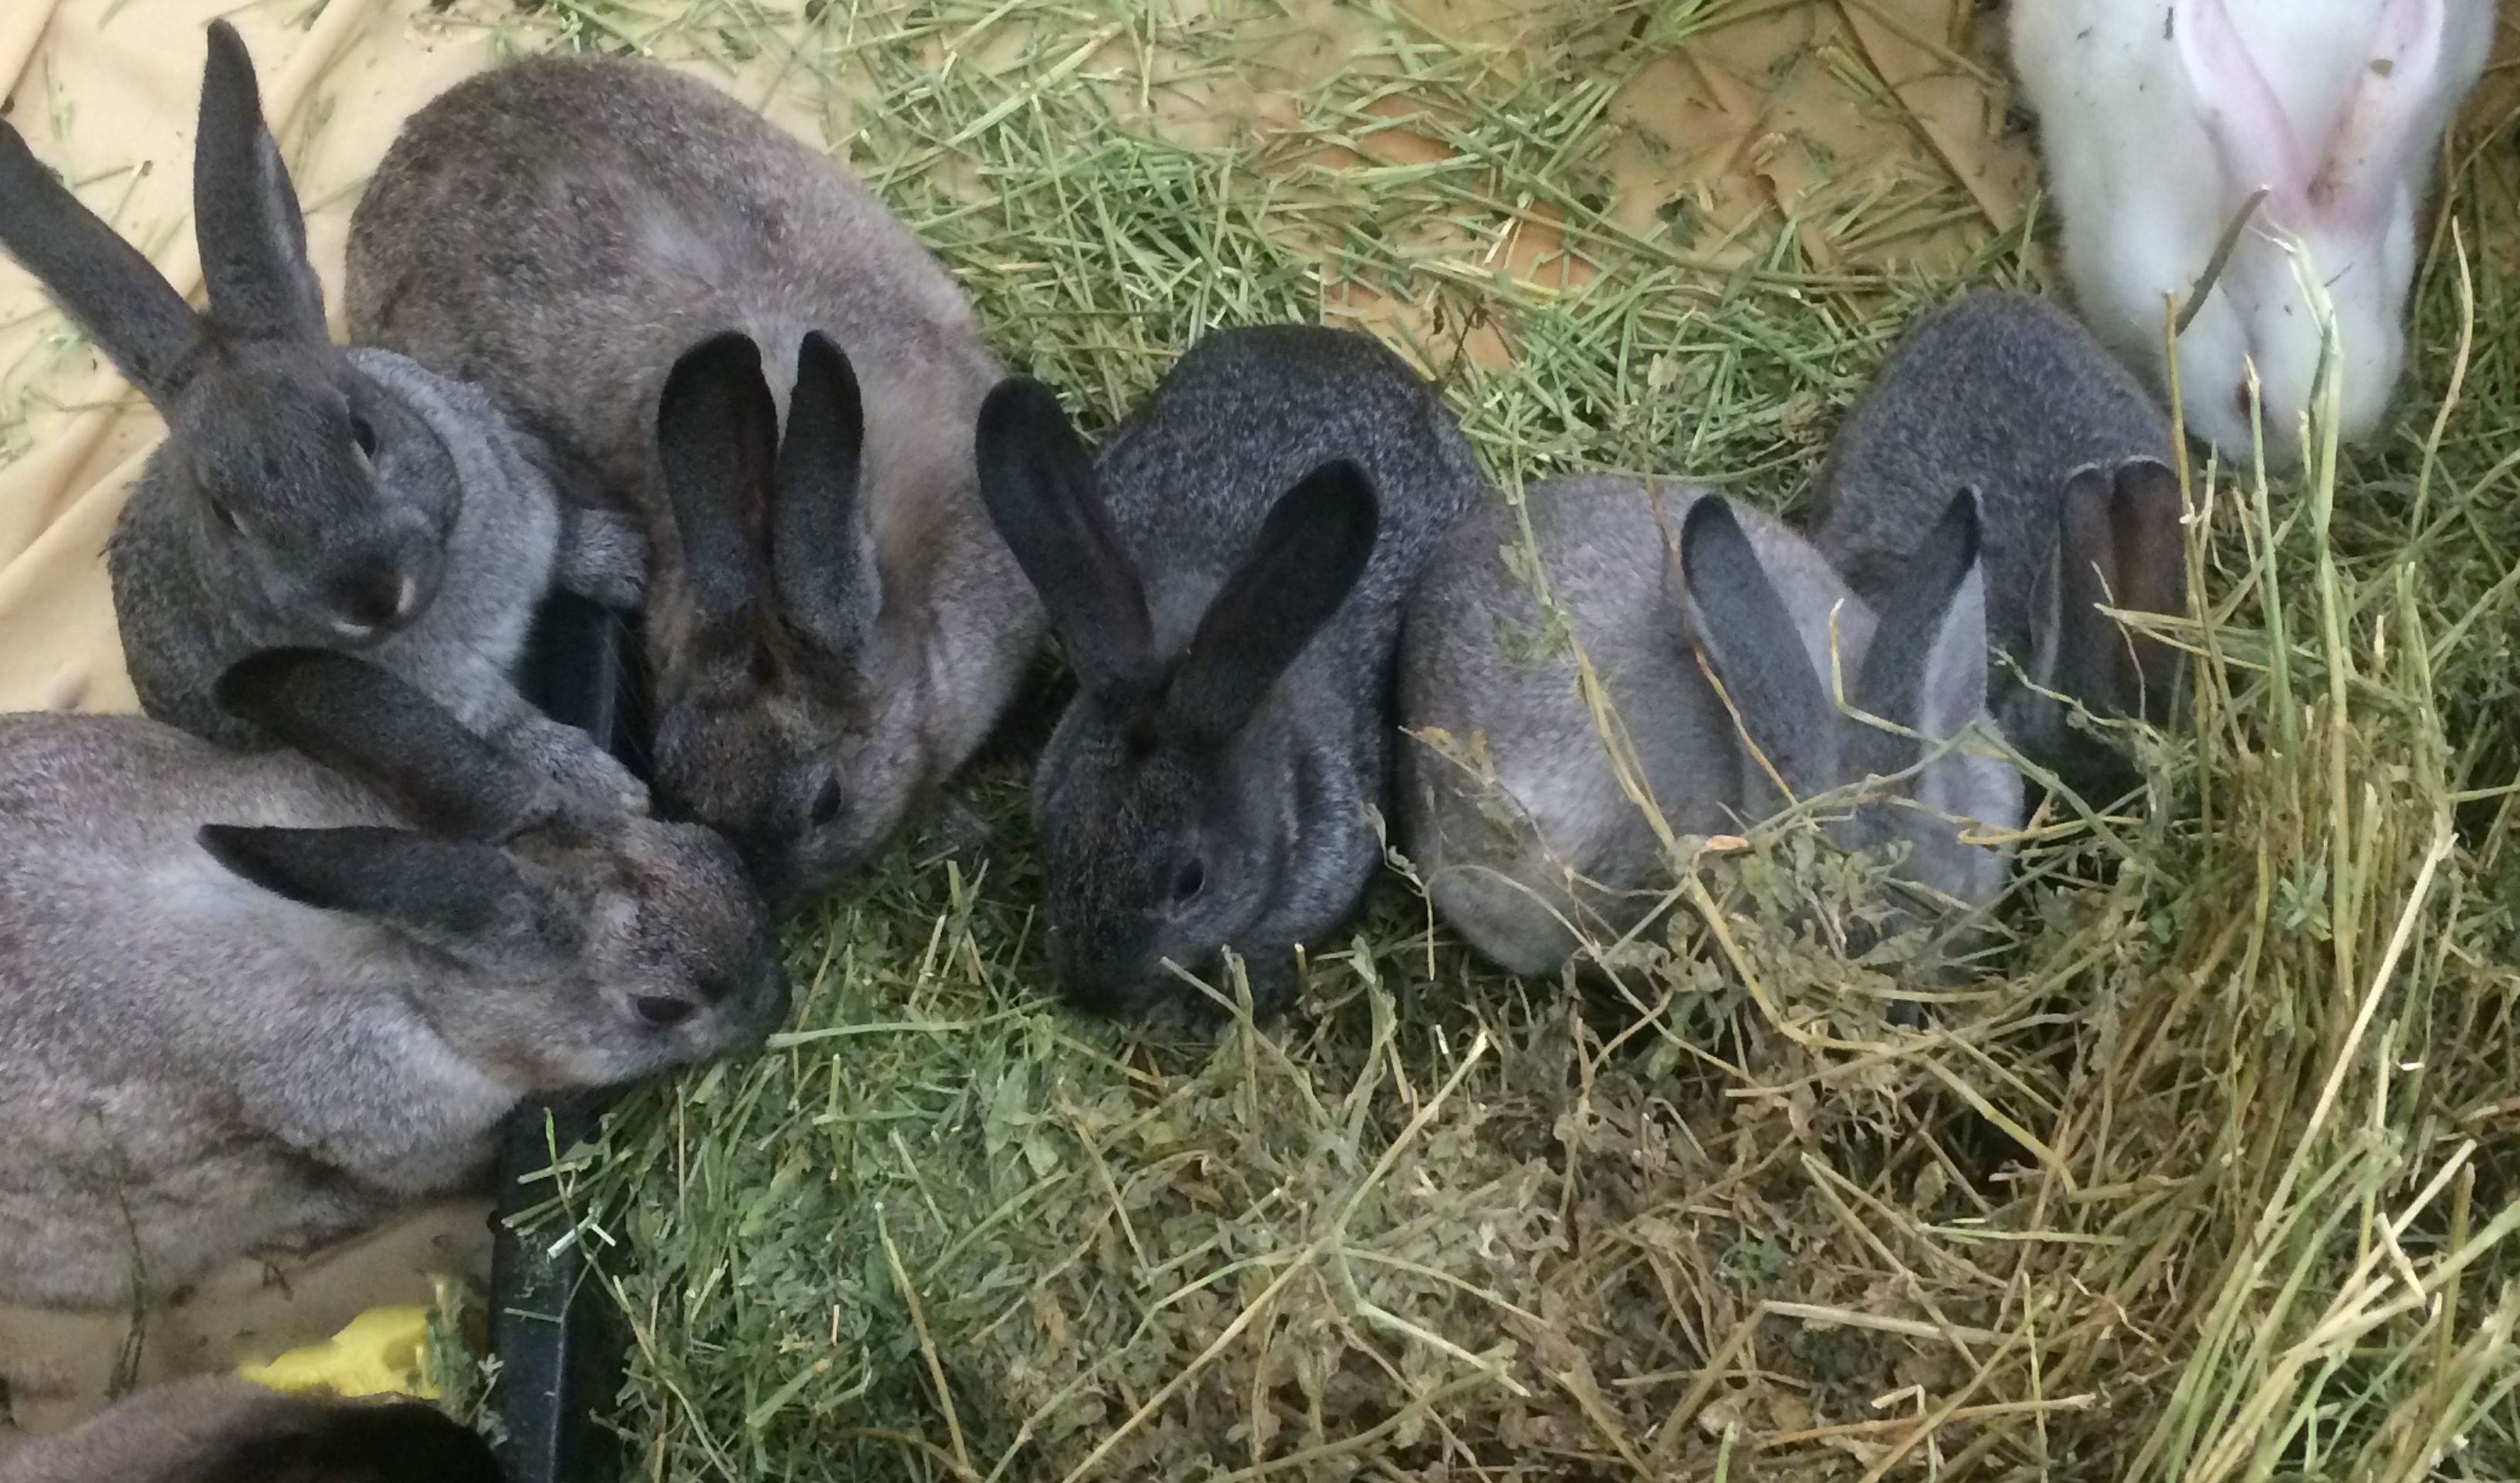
(2160, 119)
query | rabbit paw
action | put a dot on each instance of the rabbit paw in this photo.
(603, 557)
(571, 758)
(1274, 984)
(954, 831)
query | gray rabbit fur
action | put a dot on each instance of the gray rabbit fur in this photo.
(2072, 460)
(832, 627)
(222, 1429)
(1514, 815)
(251, 1001)
(305, 494)
(1227, 583)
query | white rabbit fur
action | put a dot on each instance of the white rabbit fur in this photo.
(2159, 119)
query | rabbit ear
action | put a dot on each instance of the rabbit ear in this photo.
(244, 212)
(2241, 109)
(1926, 668)
(1038, 483)
(717, 438)
(440, 890)
(1289, 581)
(104, 283)
(822, 560)
(2376, 135)
(363, 721)
(2119, 544)
(1755, 648)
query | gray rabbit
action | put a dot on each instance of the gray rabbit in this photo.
(2008, 395)
(1515, 816)
(305, 494)
(1227, 584)
(221, 1429)
(250, 1002)
(833, 628)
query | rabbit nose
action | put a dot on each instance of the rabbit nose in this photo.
(373, 599)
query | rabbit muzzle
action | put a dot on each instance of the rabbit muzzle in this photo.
(376, 595)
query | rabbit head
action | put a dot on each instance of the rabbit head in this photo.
(1779, 632)
(275, 442)
(1171, 801)
(755, 732)
(2349, 201)
(580, 950)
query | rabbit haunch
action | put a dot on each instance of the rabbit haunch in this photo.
(305, 494)
(222, 1429)
(864, 625)
(2159, 119)
(1511, 804)
(250, 1002)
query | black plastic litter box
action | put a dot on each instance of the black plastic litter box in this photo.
(554, 1331)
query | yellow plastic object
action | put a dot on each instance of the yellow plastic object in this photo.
(383, 1352)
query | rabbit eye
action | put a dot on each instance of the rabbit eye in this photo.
(364, 433)
(826, 803)
(662, 1012)
(1189, 883)
(2241, 398)
(225, 516)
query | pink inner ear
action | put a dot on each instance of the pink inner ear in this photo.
(2240, 111)
(2377, 136)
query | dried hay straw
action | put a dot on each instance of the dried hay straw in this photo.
(2208, 1175)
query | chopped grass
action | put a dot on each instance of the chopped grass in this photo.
(2209, 1176)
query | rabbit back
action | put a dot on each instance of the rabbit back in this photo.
(1550, 837)
(631, 213)
(1241, 418)
(2001, 392)
(126, 1045)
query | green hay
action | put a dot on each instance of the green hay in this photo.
(2211, 1178)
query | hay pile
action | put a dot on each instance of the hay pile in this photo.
(2208, 1176)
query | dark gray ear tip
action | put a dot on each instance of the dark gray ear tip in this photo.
(221, 839)
(1963, 524)
(1709, 524)
(228, 69)
(2144, 481)
(1022, 407)
(821, 356)
(730, 354)
(1341, 491)
(242, 849)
